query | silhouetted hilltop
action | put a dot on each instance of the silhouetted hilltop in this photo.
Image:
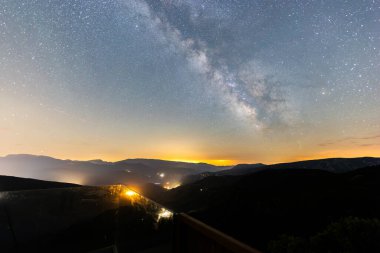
(8, 183)
(336, 165)
(240, 169)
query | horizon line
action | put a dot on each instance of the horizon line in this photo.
(215, 162)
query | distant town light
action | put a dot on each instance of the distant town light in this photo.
(164, 214)
(171, 185)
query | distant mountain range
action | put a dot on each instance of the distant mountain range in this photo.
(334, 165)
(161, 172)
(98, 172)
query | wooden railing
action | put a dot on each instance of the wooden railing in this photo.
(194, 236)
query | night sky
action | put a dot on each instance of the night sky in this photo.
(216, 81)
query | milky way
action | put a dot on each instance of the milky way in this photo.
(201, 80)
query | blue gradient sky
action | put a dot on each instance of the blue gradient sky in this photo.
(216, 81)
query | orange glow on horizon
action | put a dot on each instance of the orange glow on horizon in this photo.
(219, 162)
(333, 152)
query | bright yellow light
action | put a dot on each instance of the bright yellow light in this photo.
(164, 214)
(130, 193)
(182, 160)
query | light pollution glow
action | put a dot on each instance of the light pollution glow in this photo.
(221, 83)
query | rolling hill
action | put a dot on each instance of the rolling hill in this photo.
(8, 183)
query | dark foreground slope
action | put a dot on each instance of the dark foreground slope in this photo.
(260, 207)
(81, 219)
(8, 183)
